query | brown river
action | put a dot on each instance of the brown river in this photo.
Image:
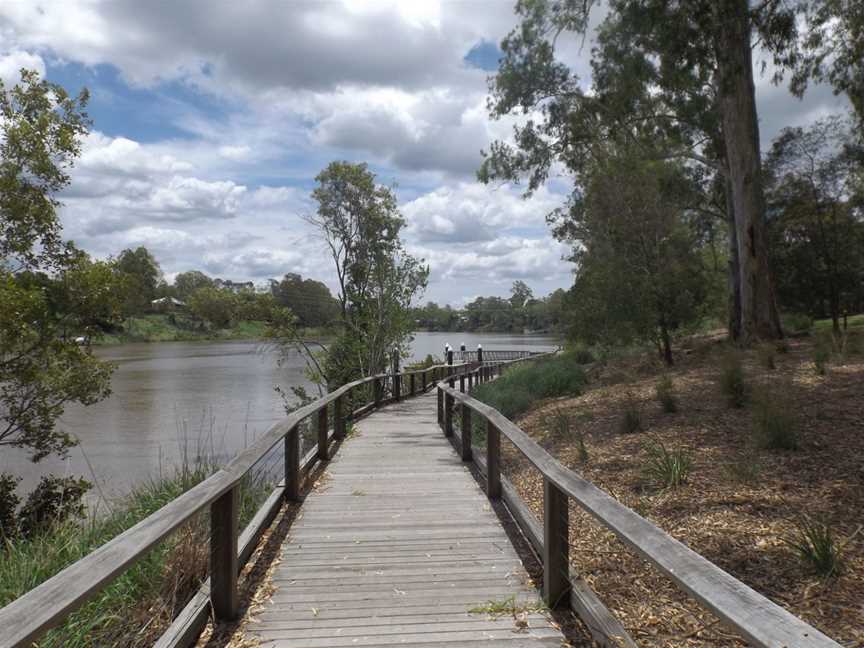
(175, 398)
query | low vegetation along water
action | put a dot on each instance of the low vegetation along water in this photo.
(185, 399)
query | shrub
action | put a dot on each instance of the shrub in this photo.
(822, 355)
(54, 500)
(797, 322)
(583, 355)
(813, 541)
(667, 469)
(631, 420)
(514, 393)
(8, 505)
(775, 423)
(665, 391)
(766, 353)
(733, 382)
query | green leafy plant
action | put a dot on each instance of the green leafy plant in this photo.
(775, 424)
(8, 506)
(822, 351)
(665, 392)
(814, 542)
(797, 322)
(733, 381)
(666, 468)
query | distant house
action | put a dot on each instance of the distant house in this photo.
(166, 304)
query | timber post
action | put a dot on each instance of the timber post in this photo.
(466, 433)
(493, 461)
(224, 520)
(322, 434)
(556, 546)
(292, 465)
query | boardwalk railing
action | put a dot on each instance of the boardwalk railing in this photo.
(27, 618)
(753, 616)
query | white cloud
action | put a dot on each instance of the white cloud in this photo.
(12, 61)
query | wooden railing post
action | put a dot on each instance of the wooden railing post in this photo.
(322, 434)
(556, 546)
(224, 519)
(397, 386)
(377, 389)
(423, 381)
(448, 415)
(338, 418)
(462, 383)
(292, 465)
(440, 407)
(411, 384)
(466, 433)
(493, 461)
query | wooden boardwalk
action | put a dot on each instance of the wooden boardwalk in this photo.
(396, 546)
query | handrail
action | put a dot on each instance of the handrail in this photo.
(28, 617)
(759, 620)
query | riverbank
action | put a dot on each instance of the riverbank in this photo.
(137, 607)
(750, 458)
(157, 327)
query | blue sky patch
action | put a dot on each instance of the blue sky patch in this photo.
(484, 55)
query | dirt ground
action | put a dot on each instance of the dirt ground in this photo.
(739, 524)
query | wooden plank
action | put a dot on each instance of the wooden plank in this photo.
(400, 530)
(556, 546)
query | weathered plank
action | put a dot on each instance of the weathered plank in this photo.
(396, 546)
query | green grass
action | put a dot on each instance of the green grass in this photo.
(156, 327)
(143, 599)
(521, 386)
(825, 325)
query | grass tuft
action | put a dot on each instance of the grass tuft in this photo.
(775, 424)
(631, 418)
(813, 540)
(666, 468)
(665, 392)
(733, 381)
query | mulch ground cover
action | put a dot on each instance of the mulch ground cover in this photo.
(739, 505)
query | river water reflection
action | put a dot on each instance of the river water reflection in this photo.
(176, 397)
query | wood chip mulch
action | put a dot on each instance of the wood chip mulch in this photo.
(737, 525)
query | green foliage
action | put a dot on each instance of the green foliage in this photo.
(514, 392)
(814, 542)
(817, 235)
(309, 300)
(733, 381)
(49, 291)
(797, 323)
(218, 307)
(775, 424)
(631, 417)
(9, 502)
(361, 224)
(822, 352)
(639, 275)
(665, 392)
(53, 501)
(187, 283)
(666, 468)
(142, 276)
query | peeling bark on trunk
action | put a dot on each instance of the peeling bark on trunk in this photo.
(737, 98)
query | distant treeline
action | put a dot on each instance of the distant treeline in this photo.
(519, 313)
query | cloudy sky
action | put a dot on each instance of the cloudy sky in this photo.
(212, 118)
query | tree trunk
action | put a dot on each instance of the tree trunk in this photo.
(667, 345)
(737, 99)
(733, 323)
